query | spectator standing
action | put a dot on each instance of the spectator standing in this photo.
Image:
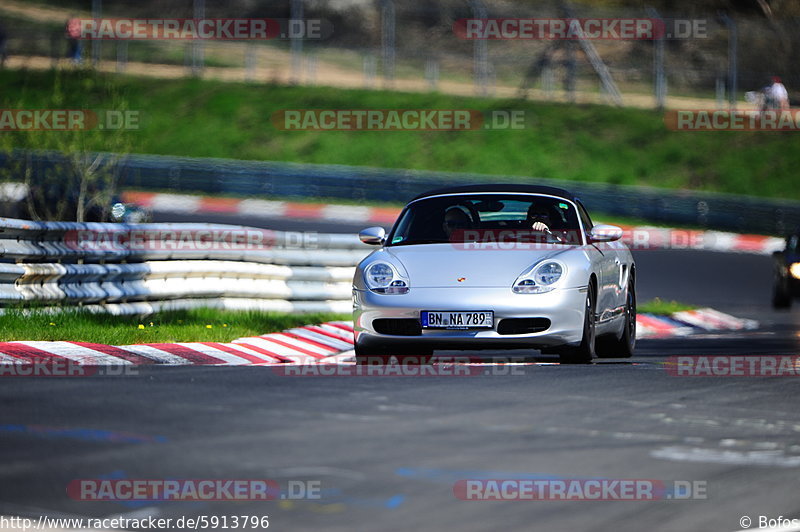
(74, 44)
(776, 96)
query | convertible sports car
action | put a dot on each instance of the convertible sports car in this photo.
(786, 279)
(495, 267)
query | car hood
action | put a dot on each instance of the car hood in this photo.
(442, 265)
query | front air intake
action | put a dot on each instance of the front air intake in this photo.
(522, 325)
(398, 326)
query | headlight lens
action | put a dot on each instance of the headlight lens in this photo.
(794, 269)
(380, 274)
(540, 278)
(382, 278)
(548, 273)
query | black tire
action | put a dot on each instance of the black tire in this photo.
(781, 297)
(422, 358)
(382, 356)
(584, 352)
(371, 356)
(622, 347)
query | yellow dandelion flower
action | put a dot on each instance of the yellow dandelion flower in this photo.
(141, 326)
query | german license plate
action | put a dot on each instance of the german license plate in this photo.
(445, 319)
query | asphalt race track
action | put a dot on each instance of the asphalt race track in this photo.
(388, 451)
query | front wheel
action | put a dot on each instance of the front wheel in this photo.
(584, 352)
(622, 347)
(781, 297)
(383, 356)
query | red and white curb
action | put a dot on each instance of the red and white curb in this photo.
(326, 343)
(653, 326)
(640, 237)
(261, 208)
(689, 322)
(313, 344)
(709, 319)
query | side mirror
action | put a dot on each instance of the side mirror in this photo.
(374, 236)
(605, 233)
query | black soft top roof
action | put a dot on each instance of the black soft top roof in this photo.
(525, 189)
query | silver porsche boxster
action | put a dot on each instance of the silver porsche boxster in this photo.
(495, 267)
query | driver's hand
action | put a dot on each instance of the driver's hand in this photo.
(540, 226)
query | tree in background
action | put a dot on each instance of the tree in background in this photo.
(64, 176)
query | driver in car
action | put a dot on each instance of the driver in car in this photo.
(455, 219)
(539, 218)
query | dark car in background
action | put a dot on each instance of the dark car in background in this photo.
(17, 200)
(786, 280)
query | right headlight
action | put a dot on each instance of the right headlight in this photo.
(541, 278)
(384, 278)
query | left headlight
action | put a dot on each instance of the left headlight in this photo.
(540, 279)
(384, 278)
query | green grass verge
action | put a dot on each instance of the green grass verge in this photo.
(200, 325)
(659, 306)
(191, 117)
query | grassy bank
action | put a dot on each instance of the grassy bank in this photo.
(659, 306)
(193, 117)
(201, 325)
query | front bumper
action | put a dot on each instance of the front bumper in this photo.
(563, 307)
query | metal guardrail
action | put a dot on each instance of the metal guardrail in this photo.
(143, 268)
(227, 177)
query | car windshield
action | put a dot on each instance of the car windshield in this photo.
(488, 218)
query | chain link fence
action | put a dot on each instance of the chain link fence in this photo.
(412, 45)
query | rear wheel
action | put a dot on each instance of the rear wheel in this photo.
(584, 352)
(622, 347)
